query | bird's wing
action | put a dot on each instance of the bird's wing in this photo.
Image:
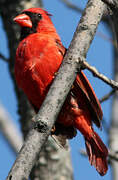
(82, 86)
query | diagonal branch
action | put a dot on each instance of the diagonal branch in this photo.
(95, 72)
(72, 6)
(112, 154)
(107, 96)
(3, 58)
(9, 130)
(52, 104)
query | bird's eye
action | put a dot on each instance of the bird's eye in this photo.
(39, 15)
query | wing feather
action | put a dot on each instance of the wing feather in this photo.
(83, 85)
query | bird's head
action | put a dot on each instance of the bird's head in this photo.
(35, 20)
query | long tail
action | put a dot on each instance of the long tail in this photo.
(97, 153)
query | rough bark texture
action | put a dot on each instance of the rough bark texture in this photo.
(52, 155)
(113, 137)
(53, 167)
(58, 91)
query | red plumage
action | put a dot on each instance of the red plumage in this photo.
(38, 58)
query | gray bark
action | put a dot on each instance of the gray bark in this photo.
(113, 137)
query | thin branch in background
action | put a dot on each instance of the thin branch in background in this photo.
(105, 37)
(95, 73)
(3, 58)
(105, 126)
(112, 155)
(9, 130)
(107, 96)
(72, 6)
(113, 6)
(108, 39)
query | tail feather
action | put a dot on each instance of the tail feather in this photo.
(97, 153)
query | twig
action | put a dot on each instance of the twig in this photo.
(112, 155)
(72, 6)
(95, 72)
(3, 58)
(107, 96)
(9, 130)
(50, 109)
(105, 126)
(113, 5)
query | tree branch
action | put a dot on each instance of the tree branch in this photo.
(105, 126)
(72, 6)
(52, 104)
(95, 72)
(107, 96)
(3, 58)
(10, 131)
(112, 154)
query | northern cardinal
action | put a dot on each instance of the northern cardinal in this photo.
(38, 58)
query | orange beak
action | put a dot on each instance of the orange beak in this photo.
(23, 20)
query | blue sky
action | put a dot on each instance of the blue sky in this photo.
(99, 55)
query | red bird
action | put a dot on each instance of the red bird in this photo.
(38, 58)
